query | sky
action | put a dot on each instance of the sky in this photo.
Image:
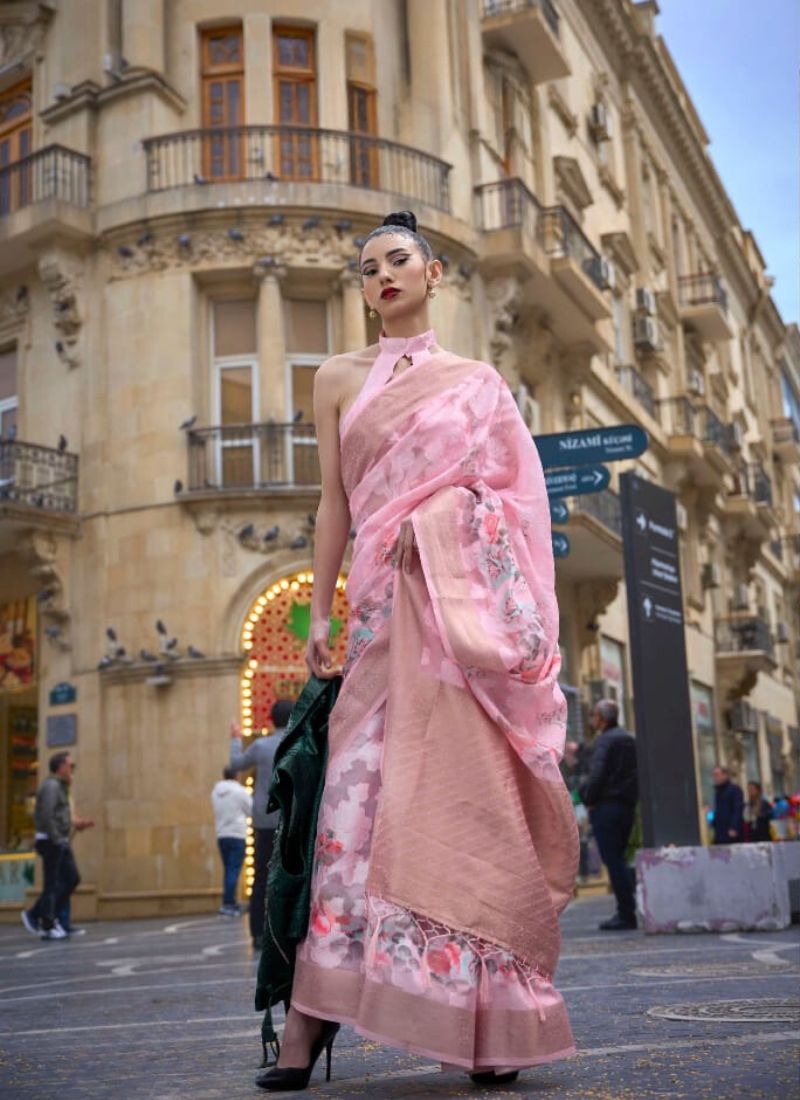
(740, 62)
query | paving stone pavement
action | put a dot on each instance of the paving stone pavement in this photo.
(162, 1010)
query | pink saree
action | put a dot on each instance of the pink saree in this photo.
(446, 843)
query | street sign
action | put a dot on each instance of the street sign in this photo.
(573, 483)
(63, 693)
(591, 445)
(559, 512)
(560, 545)
(664, 749)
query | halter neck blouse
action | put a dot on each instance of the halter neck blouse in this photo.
(417, 349)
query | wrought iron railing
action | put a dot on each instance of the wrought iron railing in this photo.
(702, 289)
(562, 236)
(54, 172)
(39, 477)
(508, 204)
(751, 480)
(603, 506)
(237, 457)
(784, 431)
(299, 154)
(743, 633)
(513, 7)
(678, 415)
(638, 387)
(713, 431)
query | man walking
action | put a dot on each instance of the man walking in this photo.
(54, 824)
(232, 807)
(260, 755)
(610, 793)
(728, 808)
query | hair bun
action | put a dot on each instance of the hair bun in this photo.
(402, 218)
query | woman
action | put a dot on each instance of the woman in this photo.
(446, 838)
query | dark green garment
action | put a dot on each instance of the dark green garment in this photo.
(298, 779)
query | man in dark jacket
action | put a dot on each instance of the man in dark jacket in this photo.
(54, 823)
(260, 755)
(728, 808)
(610, 793)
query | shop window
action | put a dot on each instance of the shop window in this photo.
(294, 69)
(15, 147)
(9, 401)
(702, 702)
(612, 660)
(18, 723)
(362, 110)
(222, 57)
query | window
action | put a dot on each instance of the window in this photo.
(295, 76)
(307, 345)
(8, 393)
(612, 661)
(222, 53)
(703, 714)
(15, 146)
(362, 110)
(237, 459)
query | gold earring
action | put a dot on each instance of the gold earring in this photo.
(373, 314)
(431, 292)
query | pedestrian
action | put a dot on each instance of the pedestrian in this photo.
(728, 807)
(232, 804)
(446, 840)
(610, 793)
(54, 823)
(758, 812)
(260, 755)
(573, 770)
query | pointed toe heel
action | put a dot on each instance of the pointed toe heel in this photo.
(295, 1079)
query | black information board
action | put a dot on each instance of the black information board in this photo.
(658, 661)
(62, 730)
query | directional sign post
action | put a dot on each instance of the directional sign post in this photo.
(591, 445)
(559, 512)
(573, 483)
(560, 545)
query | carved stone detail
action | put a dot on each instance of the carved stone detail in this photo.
(38, 550)
(22, 33)
(14, 307)
(62, 276)
(504, 297)
(592, 599)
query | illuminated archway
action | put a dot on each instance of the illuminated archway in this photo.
(274, 636)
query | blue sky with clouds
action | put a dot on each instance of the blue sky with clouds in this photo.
(740, 62)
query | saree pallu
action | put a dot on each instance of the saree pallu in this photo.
(446, 843)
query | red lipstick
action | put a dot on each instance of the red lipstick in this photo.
(390, 292)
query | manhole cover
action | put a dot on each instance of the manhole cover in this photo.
(712, 970)
(772, 1010)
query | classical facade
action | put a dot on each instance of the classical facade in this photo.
(183, 187)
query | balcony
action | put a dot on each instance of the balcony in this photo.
(634, 383)
(743, 647)
(38, 487)
(594, 531)
(749, 504)
(785, 439)
(44, 194)
(529, 29)
(510, 217)
(241, 460)
(703, 305)
(574, 262)
(285, 159)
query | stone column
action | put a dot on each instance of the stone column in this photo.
(354, 322)
(633, 172)
(669, 251)
(431, 79)
(271, 344)
(143, 34)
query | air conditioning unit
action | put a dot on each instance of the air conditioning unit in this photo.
(781, 632)
(645, 333)
(601, 272)
(712, 575)
(696, 383)
(737, 435)
(529, 410)
(743, 717)
(600, 124)
(741, 598)
(645, 301)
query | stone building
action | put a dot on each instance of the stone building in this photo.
(182, 190)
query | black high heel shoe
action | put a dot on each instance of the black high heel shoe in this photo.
(293, 1079)
(492, 1077)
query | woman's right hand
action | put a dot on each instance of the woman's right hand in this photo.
(318, 654)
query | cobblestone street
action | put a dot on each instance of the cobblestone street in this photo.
(161, 1010)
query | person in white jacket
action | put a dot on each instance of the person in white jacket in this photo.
(232, 807)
